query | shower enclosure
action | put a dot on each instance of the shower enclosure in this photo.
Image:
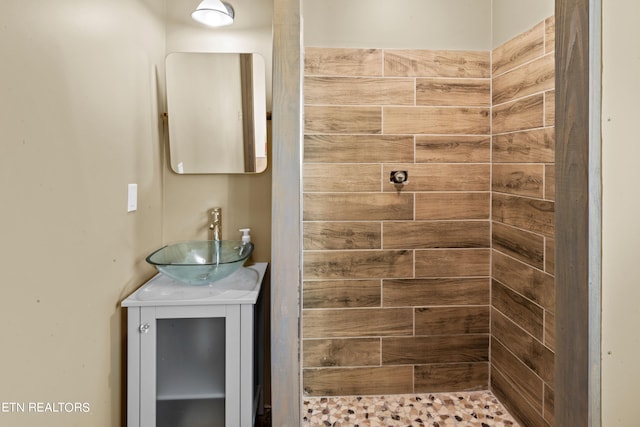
(346, 280)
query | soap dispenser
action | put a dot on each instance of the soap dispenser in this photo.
(246, 238)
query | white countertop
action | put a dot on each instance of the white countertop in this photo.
(241, 287)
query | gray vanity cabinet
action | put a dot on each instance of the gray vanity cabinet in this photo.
(191, 352)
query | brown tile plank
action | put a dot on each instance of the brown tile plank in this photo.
(531, 146)
(549, 405)
(518, 309)
(524, 179)
(341, 352)
(358, 91)
(435, 234)
(358, 381)
(550, 108)
(524, 113)
(519, 50)
(341, 293)
(533, 77)
(436, 63)
(451, 377)
(332, 119)
(549, 256)
(357, 322)
(523, 346)
(357, 264)
(550, 181)
(357, 206)
(342, 62)
(453, 92)
(453, 149)
(341, 235)
(451, 320)
(452, 262)
(340, 177)
(452, 205)
(534, 284)
(514, 402)
(435, 349)
(550, 34)
(534, 215)
(550, 329)
(522, 379)
(358, 148)
(522, 245)
(441, 177)
(424, 292)
(438, 120)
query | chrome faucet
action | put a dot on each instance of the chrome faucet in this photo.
(215, 224)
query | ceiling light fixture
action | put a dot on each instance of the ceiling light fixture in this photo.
(214, 13)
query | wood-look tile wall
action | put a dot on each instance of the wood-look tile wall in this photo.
(396, 281)
(447, 283)
(522, 240)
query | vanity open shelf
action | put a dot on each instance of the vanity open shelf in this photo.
(192, 357)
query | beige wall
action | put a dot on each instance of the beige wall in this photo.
(245, 199)
(511, 17)
(420, 24)
(81, 87)
(410, 24)
(620, 210)
(78, 122)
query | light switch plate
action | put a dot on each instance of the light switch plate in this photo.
(132, 198)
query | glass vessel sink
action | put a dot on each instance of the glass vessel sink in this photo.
(200, 262)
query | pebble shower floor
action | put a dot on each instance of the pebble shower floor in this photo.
(479, 409)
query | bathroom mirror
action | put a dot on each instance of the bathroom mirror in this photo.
(216, 107)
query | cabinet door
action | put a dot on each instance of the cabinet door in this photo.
(189, 366)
